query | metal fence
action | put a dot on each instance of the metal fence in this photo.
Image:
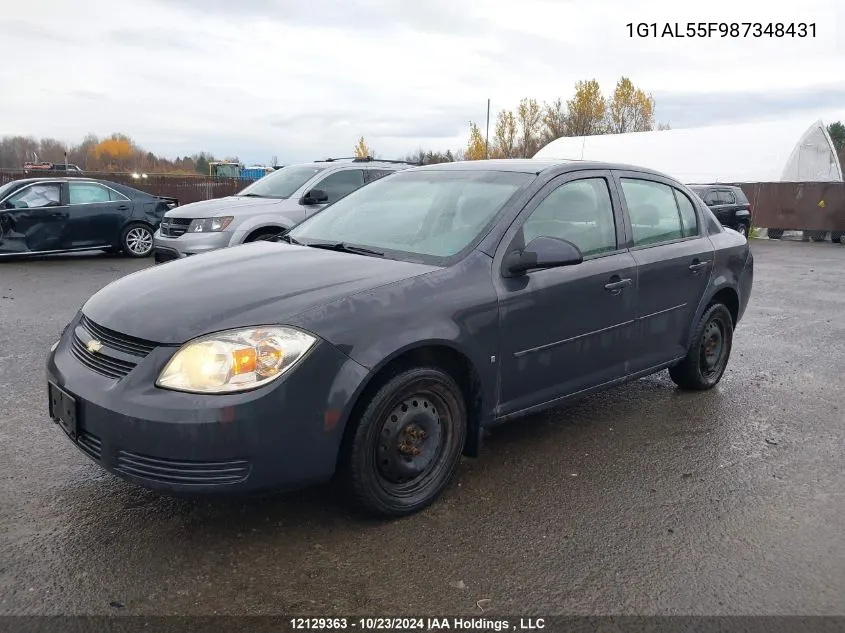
(811, 206)
(185, 188)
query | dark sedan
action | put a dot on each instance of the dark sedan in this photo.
(395, 325)
(54, 215)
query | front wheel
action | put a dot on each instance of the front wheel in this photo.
(137, 240)
(407, 443)
(708, 355)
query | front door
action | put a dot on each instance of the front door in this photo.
(674, 261)
(337, 185)
(564, 330)
(33, 219)
(97, 214)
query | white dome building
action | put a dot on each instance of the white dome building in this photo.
(771, 151)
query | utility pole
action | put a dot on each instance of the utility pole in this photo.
(487, 134)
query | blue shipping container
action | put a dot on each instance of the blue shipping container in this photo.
(252, 174)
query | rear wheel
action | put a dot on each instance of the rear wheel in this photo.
(407, 443)
(774, 234)
(137, 240)
(708, 355)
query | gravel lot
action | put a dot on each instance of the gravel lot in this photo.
(641, 500)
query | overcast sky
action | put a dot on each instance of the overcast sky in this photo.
(302, 79)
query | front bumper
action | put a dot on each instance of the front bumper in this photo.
(283, 435)
(169, 248)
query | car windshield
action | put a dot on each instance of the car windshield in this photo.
(426, 214)
(281, 183)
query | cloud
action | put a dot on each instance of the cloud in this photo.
(301, 80)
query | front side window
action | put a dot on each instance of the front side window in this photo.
(282, 183)
(35, 197)
(580, 212)
(87, 193)
(653, 211)
(341, 183)
(427, 214)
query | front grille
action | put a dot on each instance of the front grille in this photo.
(117, 341)
(171, 471)
(174, 227)
(118, 354)
(90, 444)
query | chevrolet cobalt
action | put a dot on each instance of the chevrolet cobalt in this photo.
(376, 339)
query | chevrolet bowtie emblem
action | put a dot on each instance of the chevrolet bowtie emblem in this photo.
(94, 346)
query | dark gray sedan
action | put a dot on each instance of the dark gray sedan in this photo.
(385, 332)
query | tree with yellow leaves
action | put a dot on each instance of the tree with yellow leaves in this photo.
(362, 150)
(476, 147)
(115, 150)
(554, 121)
(504, 139)
(586, 110)
(529, 117)
(629, 109)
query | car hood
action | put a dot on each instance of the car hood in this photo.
(259, 283)
(210, 208)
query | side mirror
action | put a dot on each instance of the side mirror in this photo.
(543, 252)
(315, 196)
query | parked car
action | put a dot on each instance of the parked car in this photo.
(377, 338)
(53, 215)
(728, 203)
(265, 208)
(45, 166)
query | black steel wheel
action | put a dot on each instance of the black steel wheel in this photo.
(407, 444)
(708, 355)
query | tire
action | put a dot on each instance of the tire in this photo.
(136, 240)
(836, 237)
(742, 228)
(700, 371)
(407, 444)
(262, 236)
(774, 234)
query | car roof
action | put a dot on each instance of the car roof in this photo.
(58, 179)
(536, 166)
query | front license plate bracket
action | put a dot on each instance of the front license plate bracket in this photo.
(63, 409)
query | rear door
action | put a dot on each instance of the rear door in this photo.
(33, 218)
(674, 262)
(97, 215)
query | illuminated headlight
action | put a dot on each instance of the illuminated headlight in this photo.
(235, 360)
(210, 225)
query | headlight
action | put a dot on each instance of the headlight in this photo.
(210, 225)
(235, 360)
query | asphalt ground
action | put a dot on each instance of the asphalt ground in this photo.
(640, 500)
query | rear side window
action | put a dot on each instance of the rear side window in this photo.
(87, 193)
(726, 197)
(689, 220)
(653, 211)
(711, 198)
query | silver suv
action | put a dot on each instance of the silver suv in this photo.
(266, 207)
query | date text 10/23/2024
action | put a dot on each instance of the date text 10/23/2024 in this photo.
(721, 29)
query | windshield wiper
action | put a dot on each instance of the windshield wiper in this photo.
(284, 237)
(345, 248)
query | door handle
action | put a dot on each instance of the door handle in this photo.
(697, 265)
(617, 286)
(122, 207)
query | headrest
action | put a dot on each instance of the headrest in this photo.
(576, 206)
